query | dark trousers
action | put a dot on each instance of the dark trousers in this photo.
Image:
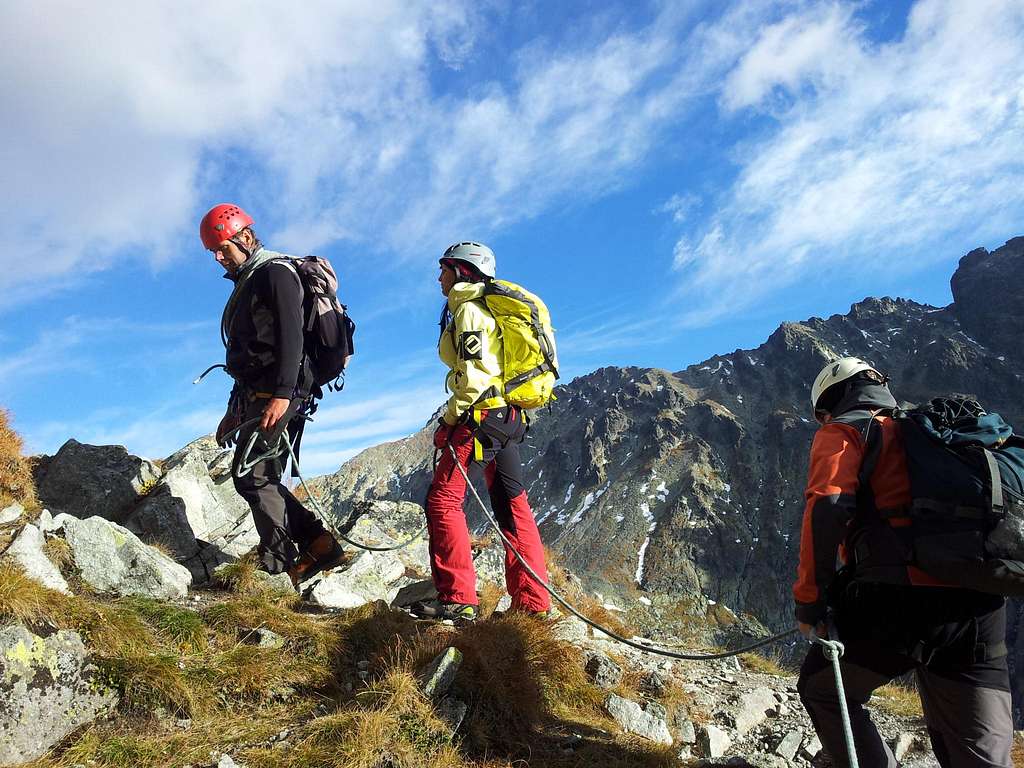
(286, 528)
(953, 640)
(451, 559)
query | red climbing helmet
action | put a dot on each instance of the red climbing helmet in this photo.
(222, 222)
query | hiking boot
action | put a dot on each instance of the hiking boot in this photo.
(551, 614)
(324, 552)
(459, 613)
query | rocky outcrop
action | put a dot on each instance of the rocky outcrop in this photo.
(94, 480)
(202, 524)
(368, 577)
(187, 505)
(111, 559)
(27, 551)
(47, 690)
(988, 296)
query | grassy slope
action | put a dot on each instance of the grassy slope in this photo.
(190, 687)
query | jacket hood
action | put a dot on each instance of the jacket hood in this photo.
(463, 292)
(865, 396)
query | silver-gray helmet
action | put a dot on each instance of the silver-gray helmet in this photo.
(477, 255)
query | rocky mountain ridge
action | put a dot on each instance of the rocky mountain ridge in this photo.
(681, 492)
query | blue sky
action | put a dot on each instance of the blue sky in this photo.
(674, 178)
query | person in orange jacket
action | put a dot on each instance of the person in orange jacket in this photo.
(856, 579)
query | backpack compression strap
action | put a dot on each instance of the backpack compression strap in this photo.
(997, 483)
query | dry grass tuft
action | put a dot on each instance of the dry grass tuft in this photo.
(764, 665)
(59, 552)
(16, 485)
(490, 593)
(150, 680)
(514, 676)
(898, 699)
(25, 600)
(390, 724)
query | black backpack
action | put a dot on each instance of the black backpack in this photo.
(328, 332)
(966, 470)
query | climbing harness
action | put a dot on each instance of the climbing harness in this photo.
(833, 650)
(565, 604)
(284, 446)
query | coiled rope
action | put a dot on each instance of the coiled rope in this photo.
(284, 446)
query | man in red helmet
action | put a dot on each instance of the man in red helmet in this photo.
(262, 330)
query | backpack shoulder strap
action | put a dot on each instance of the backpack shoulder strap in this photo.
(871, 437)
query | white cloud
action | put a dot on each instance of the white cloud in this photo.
(878, 150)
(122, 122)
(679, 206)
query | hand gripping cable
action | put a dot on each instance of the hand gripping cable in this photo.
(284, 447)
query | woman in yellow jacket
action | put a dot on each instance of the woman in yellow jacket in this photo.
(484, 432)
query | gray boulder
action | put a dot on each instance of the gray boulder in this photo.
(200, 473)
(112, 559)
(632, 718)
(752, 709)
(94, 480)
(47, 690)
(603, 671)
(202, 525)
(369, 577)
(27, 551)
(439, 675)
(712, 741)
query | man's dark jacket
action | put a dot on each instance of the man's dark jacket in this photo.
(262, 328)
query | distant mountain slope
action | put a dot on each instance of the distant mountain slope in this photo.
(690, 484)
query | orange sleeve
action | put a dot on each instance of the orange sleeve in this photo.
(831, 501)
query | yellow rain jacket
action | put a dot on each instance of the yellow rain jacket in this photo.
(471, 347)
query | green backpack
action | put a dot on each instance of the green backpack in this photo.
(529, 360)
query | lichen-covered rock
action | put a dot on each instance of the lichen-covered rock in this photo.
(632, 718)
(439, 675)
(201, 524)
(369, 577)
(94, 480)
(112, 559)
(27, 551)
(47, 690)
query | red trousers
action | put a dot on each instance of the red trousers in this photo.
(451, 560)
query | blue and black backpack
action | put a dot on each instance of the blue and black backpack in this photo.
(966, 469)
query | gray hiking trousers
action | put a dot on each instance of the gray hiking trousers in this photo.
(969, 725)
(286, 528)
(954, 642)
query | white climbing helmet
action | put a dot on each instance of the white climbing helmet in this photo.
(476, 254)
(835, 372)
